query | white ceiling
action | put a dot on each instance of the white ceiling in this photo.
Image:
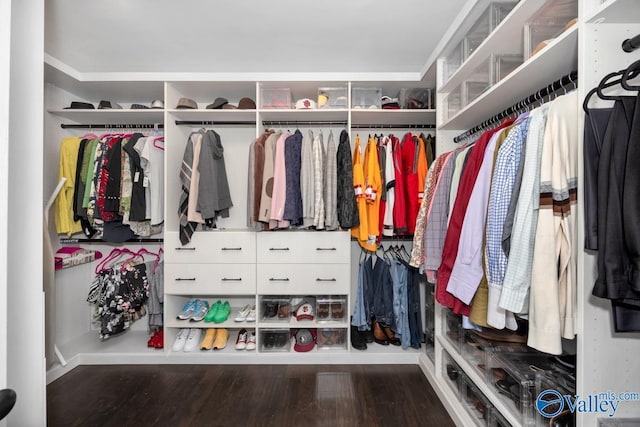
(247, 36)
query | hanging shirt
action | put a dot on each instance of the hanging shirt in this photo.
(152, 160)
(390, 183)
(346, 199)
(422, 168)
(359, 231)
(192, 214)
(373, 188)
(293, 200)
(279, 183)
(461, 160)
(67, 165)
(410, 174)
(400, 204)
(307, 180)
(331, 186)
(267, 179)
(318, 182)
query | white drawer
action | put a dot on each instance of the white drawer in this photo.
(304, 247)
(303, 279)
(212, 247)
(210, 279)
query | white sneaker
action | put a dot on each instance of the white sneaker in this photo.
(241, 341)
(181, 339)
(251, 317)
(243, 313)
(193, 340)
(251, 341)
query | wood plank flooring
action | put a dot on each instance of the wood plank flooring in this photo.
(244, 395)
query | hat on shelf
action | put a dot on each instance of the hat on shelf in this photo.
(186, 103)
(108, 105)
(217, 104)
(305, 311)
(306, 104)
(305, 340)
(157, 104)
(389, 103)
(323, 97)
(78, 105)
(247, 104)
(139, 107)
(229, 107)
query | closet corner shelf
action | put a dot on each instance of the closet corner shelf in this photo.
(212, 115)
(505, 39)
(303, 115)
(496, 399)
(111, 116)
(615, 12)
(557, 59)
(392, 117)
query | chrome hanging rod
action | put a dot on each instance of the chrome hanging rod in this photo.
(629, 45)
(113, 126)
(215, 123)
(394, 126)
(268, 123)
(571, 78)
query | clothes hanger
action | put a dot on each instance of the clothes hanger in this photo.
(155, 142)
(629, 73)
(112, 257)
(89, 136)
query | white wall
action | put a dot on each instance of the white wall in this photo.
(25, 334)
(5, 43)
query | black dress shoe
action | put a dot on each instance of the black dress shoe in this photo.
(269, 340)
(281, 340)
(7, 400)
(368, 336)
(357, 339)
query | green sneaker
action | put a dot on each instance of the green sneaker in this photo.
(213, 311)
(223, 313)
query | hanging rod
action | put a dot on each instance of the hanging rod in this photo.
(215, 123)
(100, 241)
(113, 126)
(268, 123)
(629, 45)
(571, 78)
(393, 126)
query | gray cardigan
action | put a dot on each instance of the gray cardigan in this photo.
(214, 197)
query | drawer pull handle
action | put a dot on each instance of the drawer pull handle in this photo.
(286, 279)
(185, 249)
(325, 280)
(231, 249)
(185, 279)
(226, 279)
(326, 249)
(278, 249)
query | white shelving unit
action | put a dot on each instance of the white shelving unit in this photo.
(216, 271)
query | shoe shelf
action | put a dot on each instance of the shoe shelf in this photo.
(229, 323)
(304, 115)
(393, 117)
(297, 324)
(213, 115)
(498, 401)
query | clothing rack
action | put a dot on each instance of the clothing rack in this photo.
(571, 78)
(113, 126)
(215, 123)
(629, 45)
(269, 123)
(394, 126)
(100, 241)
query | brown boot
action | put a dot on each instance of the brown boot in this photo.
(391, 336)
(378, 333)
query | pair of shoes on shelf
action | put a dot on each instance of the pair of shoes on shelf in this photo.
(383, 335)
(246, 314)
(219, 312)
(157, 340)
(194, 310)
(187, 339)
(246, 340)
(275, 340)
(215, 339)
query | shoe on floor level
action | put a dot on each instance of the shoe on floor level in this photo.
(223, 313)
(157, 340)
(251, 341)
(213, 311)
(241, 316)
(181, 339)
(207, 341)
(201, 310)
(241, 341)
(251, 317)
(188, 310)
(193, 339)
(222, 335)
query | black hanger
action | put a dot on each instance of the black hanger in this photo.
(604, 83)
(630, 73)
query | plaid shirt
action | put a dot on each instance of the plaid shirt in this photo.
(502, 184)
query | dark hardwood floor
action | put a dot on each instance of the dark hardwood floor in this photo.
(244, 395)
